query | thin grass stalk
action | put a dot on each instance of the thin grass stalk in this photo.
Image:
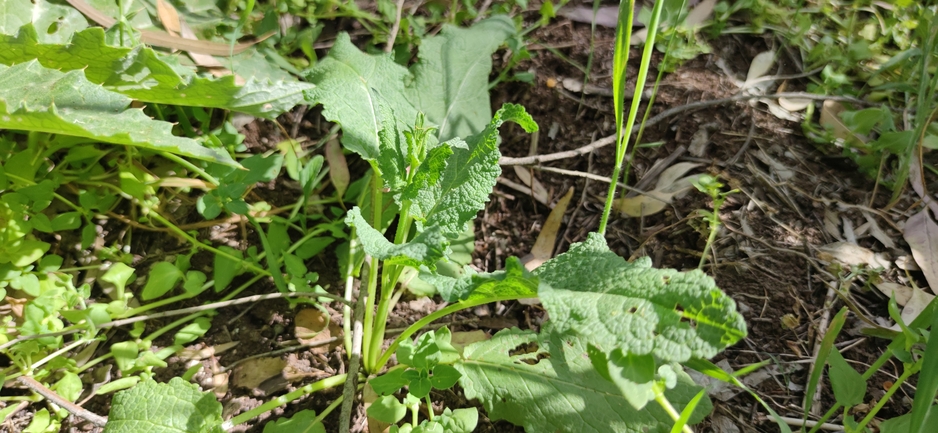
(620, 60)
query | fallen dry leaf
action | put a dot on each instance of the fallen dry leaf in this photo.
(761, 64)
(902, 292)
(253, 372)
(852, 255)
(543, 248)
(313, 326)
(916, 304)
(338, 167)
(537, 188)
(921, 233)
(461, 339)
(168, 17)
(670, 185)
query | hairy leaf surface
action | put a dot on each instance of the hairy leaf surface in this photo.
(631, 306)
(451, 82)
(466, 183)
(425, 249)
(345, 82)
(174, 407)
(546, 383)
(34, 98)
(515, 282)
(141, 74)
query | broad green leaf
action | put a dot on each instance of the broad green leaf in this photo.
(174, 407)
(466, 183)
(55, 22)
(425, 249)
(451, 77)
(301, 422)
(389, 382)
(119, 275)
(142, 74)
(387, 409)
(515, 282)
(444, 376)
(345, 81)
(546, 384)
(849, 386)
(192, 331)
(162, 278)
(613, 304)
(35, 98)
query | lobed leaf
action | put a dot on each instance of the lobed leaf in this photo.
(672, 315)
(35, 98)
(546, 383)
(174, 407)
(470, 174)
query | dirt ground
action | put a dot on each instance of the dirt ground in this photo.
(791, 200)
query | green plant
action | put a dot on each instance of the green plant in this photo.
(619, 336)
(713, 187)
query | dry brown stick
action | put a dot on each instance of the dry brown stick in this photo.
(605, 141)
(395, 28)
(50, 395)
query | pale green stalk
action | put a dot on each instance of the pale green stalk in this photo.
(326, 383)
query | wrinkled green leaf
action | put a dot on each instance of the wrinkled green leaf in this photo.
(613, 304)
(546, 383)
(35, 98)
(346, 81)
(174, 407)
(451, 76)
(467, 182)
(425, 249)
(55, 22)
(515, 282)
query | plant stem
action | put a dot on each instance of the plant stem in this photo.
(195, 242)
(192, 167)
(373, 263)
(326, 383)
(908, 372)
(666, 405)
(450, 309)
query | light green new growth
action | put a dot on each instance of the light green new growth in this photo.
(546, 384)
(141, 74)
(467, 181)
(182, 408)
(35, 98)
